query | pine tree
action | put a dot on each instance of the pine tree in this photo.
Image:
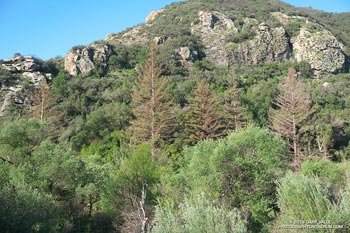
(293, 107)
(203, 119)
(152, 110)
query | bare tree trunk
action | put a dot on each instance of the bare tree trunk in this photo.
(42, 107)
(152, 110)
(142, 208)
(295, 138)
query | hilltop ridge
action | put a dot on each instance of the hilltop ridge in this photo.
(232, 32)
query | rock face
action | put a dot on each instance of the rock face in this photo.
(265, 44)
(23, 71)
(84, 59)
(315, 45)
(21, 64)
(216, 30)
(321, 49)
(268, 45)
(213, 29)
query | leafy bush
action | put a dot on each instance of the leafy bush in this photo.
(308, 198)
(239, 171)
(101, 123)
(195, 216)
(334, 173)
(302, 198)
(18, 138)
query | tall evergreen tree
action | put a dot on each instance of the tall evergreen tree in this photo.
(203, 119)
(152, 110)
(293, 107)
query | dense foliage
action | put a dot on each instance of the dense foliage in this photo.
(151, 144)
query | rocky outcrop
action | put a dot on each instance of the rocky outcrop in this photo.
(213, 29)
(321, 50)
(314, 44)
(84, 59)
(151, 16)
(264, 43)
(23, 77)
(268, 45)
(14, 95)
(21, 64)
(185, 54)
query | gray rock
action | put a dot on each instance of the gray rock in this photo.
(84, 59)
(321, 50)
(268, 45)
(185, 54)
(159, 40)
(22, 64)
(213, 29)
(19, 91)
(36, 77)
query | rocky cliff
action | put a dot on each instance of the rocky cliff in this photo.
(268, 45)
(20, 77)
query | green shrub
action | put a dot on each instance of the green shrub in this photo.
(308, 198)
(239, 171)
(197, 215)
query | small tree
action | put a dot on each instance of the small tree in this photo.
(135, 182)
(292, 108)
(41, 101)
(203, 119)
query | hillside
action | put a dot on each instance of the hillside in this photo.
(212, 116)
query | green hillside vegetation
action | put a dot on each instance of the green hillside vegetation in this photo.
(154, 145)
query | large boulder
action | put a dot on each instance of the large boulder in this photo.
(321, 50)
(314, 44)
(185, 54)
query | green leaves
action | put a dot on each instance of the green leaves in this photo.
(139, 168)
(19, 138)
(300, 197)
(238, 171)
(196, 215)
(312, 197)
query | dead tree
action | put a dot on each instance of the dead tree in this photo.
(136, 219)
(41, 101)
(152, 110)
(291, 108)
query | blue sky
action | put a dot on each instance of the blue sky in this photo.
(47, 28)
